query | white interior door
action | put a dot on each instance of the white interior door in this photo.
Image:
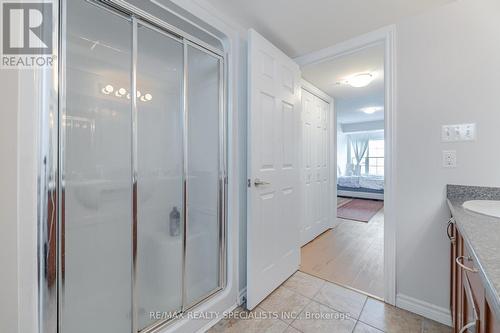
(315, 167)
(273, 168)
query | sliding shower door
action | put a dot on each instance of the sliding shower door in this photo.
(160, 230)
(95, 150)
(142, 173)
(203, 226)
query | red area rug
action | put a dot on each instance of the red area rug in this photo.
(359, 209)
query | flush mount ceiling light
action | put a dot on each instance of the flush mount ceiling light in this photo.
(360, 80)
(372, 109)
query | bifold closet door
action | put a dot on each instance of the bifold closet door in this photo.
(95, 148)
(203, 225)
(160, 231)
(315, 167)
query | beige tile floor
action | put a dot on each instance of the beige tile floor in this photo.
(305, 303)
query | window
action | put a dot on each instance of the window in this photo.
(373, 162)
(375, 158)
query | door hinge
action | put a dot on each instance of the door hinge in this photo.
(249, 182)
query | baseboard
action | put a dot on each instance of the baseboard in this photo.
(242, 297)
(427, 310)
(360, 195)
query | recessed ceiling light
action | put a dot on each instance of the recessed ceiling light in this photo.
(372, 109)
(360, 80)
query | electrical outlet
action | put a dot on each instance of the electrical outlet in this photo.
(449, 158)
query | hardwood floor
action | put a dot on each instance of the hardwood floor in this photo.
(351, 254)
(342, 201)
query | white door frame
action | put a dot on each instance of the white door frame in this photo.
(332, 142)
(386, 37)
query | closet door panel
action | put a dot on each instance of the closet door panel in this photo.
(307, 177)
(315, 166)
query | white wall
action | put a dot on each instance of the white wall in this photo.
(448, 62)
(365, 126)
(8, 202)
(341, 151)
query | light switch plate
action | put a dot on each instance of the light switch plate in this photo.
(447, 134)
(449, 158)
(458, 132)
(468, 132)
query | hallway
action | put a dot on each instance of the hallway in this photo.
(351, 254)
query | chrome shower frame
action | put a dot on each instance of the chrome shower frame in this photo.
(51, 186)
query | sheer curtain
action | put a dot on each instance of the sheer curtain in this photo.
(359, 143)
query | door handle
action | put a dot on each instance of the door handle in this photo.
(258, 182)
(466, 327)
(448, 228)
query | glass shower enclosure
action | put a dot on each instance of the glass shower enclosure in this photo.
(141, 204)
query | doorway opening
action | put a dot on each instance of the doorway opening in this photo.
(308, 211)
(351, 252)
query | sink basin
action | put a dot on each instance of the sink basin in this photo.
(485, 207)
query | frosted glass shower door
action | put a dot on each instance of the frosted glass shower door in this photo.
(160, 231)
(95, 124)
(141, 183)
(203, 225)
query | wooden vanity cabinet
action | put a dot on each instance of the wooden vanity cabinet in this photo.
(492, 322)
(468, 303)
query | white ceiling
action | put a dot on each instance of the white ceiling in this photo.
(301, 26)
(349, 100)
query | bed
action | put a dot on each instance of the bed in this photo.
(366, 187)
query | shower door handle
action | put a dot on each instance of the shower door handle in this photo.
(259, 182)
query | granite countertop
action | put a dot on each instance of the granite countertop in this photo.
(481, 235)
